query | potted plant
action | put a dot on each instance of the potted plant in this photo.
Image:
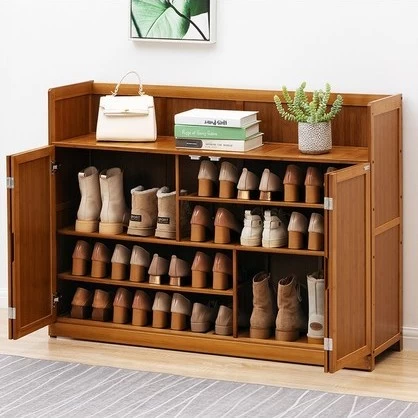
(314, 122)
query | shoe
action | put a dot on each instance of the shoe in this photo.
(298, 228)
(290, 320)
(143, 218)
(203, 317)
(274, 233)
(225, 223)
(81, 257)
(207, 178)
(181, 310)
(157, 269)
(179, 271)
(102, 306)
(89, 210)
(166, 220)
(253, 229)
(223, 322)
(114, 213)
(316, 294)
(200, 222)
(201, 267)
(161, 310)
(247, 184)
(316, 232)
(270, 186)
(100, 259)
(81, 303)
(314, 181)
(293, 182)
(122, 305)
(120, 262)
(222, 272)
(228, 178)
(263, 313)
(140, 261)
(141, 309)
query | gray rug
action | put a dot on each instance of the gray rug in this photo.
(40, 388)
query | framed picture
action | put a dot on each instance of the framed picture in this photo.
(173, 20)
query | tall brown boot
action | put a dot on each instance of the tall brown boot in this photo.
(262, 317)
(290, 319)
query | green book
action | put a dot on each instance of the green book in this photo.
(215, 132)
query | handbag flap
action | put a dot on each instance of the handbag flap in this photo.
(126, 105)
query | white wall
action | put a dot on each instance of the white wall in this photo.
(365, 46)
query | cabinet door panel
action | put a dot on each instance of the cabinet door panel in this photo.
(31, 227)
(348, 266)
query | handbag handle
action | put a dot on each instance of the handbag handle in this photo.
(140, 90)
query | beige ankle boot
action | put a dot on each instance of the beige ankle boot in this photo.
(228, 178)
(290, 321)
(247, 184)
(89, 210)
(120, 262)
(141, 308)
(140, 261)
(100, 260)
(253, 229)
(158, 269)
(316, 295)
(179, 271)
(207, 178)
(81, 258)
(181, 310)
(144, 212)
(161, 310)
(262, 316)
(166, 220)
(114, 211)
(274, 230)
(201, 267)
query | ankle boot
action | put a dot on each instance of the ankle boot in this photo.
(89, 210)
(140, 261)
(181, 310)
(222, 272)
(120, 262)
(316, 295)
(144, 212)
(263, 314)
(122, 305)
(297, 229)
(274, 230)
(225, 223)
(141, 309)
(290, 319)
(81, 304)
(81, 257)
(100, 259)
(270, 186)
(207, 177)
(203, 317)
(253, 229)
(200, 222)
(316, 232)
(247, 184)
(314, 182)
(114, 211)
(179, 271)
(201, 267)
(102, 305)
(158, 269)
(223, 323)
(161, 310)
(166, 220)
(228, 178)
(293, 182)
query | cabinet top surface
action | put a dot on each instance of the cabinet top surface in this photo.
(269, 151)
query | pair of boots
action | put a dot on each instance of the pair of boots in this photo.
(102, 199)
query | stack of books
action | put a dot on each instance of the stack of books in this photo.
(218, 130)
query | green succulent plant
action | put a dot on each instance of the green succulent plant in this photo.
(300, 109)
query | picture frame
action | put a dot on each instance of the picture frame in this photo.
(185, 21)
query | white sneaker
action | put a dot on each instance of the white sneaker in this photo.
(252, 231)
(274, 231)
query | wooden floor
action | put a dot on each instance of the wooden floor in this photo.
(395, 376)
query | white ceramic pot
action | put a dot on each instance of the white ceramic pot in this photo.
(314, 138)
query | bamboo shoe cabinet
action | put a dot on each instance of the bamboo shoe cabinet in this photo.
(362, 207)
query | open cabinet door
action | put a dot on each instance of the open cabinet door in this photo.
(31, 240)
(348, 268)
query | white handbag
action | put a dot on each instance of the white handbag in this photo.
(127, 118)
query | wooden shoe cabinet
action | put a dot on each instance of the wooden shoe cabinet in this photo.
(361, 204)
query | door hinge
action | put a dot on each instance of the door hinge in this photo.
(366, 167)
(10, 182)
(328, 344)
(54, 167)
(11, 313)
(56, 298)
(328, 203)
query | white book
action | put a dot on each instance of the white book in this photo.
(221, 144)
(216, 117)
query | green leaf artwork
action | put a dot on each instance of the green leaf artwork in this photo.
(168, 19)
